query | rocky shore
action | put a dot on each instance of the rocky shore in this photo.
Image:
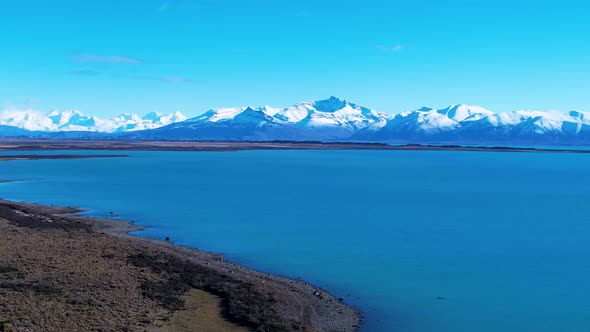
(63, 272)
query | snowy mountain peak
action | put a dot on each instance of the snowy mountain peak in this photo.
(129, 117)
(73, 120)
(220, 114)
(271, 111)
(179, 116)
(461, 112)
(156, 117)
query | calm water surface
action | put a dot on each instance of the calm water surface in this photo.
(419, 241)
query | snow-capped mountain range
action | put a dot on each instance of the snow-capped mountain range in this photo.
(476, 125)
(332, 119)
(68, 121)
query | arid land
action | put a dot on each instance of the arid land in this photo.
(63, 272)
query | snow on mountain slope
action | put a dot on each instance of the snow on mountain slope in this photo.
(325, 119)
(339, 113)
(475, 125)
(229, 116)
(459, 113)
(154, 120)
(295, 113)
(530, 123)
(331, 112)
(424, 122)
(221, 114)
(171, 118)
(336, 119)
(75, 121)
(28, 120)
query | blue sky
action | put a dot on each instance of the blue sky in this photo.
(108, 57)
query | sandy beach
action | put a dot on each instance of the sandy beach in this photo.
(63, 272)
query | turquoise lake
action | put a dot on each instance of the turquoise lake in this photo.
(418, 241)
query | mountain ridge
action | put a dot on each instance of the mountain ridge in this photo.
(75, 121)
(332, 119)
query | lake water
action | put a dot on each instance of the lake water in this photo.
(419, 241)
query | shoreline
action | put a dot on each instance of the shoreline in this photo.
(56, 157)
(225, 146)
(249, 298)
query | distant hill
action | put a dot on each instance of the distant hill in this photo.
(332, 119)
